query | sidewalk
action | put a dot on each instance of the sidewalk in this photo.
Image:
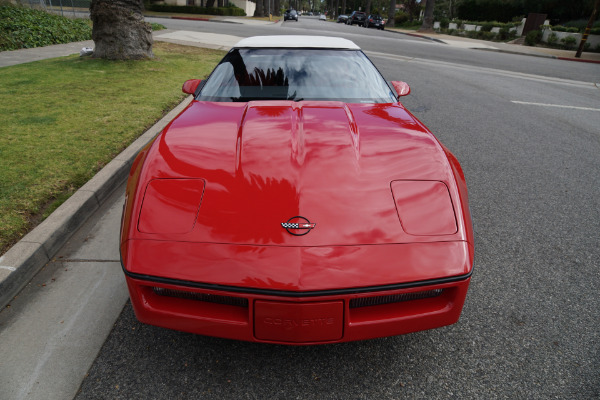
(500, 47)
(211, 41)
(22, 56)
(213, 18)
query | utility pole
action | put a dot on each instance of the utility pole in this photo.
(587, 29)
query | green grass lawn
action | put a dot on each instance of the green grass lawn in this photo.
(63, 119)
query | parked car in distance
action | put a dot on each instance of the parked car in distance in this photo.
(296, 201)
(310, 14)
(342, 18)
(375, 21)
(357, 17)
(290, 14)
(322, 17)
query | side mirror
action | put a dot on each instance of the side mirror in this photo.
(402, 88)
(190, 86)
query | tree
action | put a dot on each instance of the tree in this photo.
(259, 11)
(428, 18)
(588, 28)
(119, 30)
(412, 8)
(391, 13)
(276, 7)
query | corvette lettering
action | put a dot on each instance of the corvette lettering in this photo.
(299, 323)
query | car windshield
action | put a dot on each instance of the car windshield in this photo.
(296, 74)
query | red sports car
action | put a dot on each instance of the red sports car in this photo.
(296, 201)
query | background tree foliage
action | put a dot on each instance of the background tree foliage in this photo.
(558, 11)
(507, 10)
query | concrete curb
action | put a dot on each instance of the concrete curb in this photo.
(578, 60)
(422, 37)
(23, 260)
(518, 53)
(416, 35)
(205, 19)
(542, 56)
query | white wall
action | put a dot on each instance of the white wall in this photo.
(593, 40)
(248, 6)
(176, 2)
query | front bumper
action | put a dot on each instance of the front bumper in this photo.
(297, 318)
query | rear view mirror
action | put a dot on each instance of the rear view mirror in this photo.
(190, 86)
(402, 88)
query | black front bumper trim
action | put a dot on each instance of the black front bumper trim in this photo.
(285, 293)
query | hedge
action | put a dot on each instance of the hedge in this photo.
(22, 27)
(533, 37)
(489, 24)
(560, 28)
(229, 11)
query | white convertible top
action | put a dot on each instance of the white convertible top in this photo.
(297, 41)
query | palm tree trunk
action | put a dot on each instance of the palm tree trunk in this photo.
(259, 12)
(428, 18)
(391, 14)
(119, 30)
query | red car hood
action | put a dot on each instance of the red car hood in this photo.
(246, 168)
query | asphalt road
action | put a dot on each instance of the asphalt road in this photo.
(528, 141)
(402, 45)
(531, 324)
